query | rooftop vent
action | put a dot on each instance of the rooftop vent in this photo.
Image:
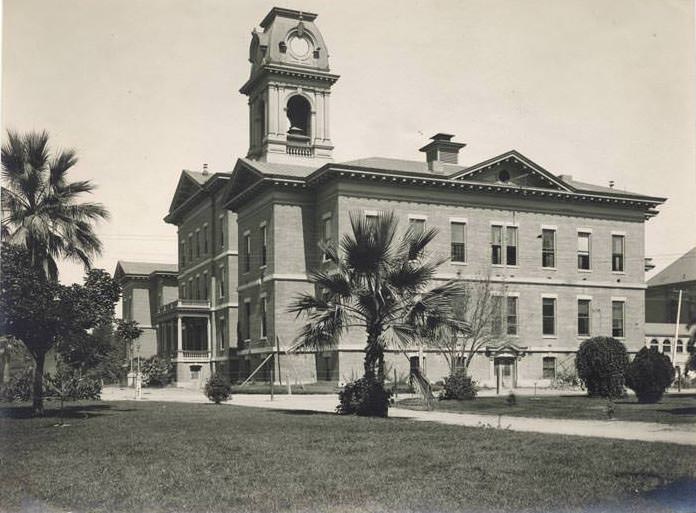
(442, 150)
(205, 169)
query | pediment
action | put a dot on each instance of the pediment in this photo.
(512, 168)
(186, 188)
(243, 177)
(506, 348)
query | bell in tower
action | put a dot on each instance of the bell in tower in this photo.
(289, 89)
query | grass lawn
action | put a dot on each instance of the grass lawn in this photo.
(672, 409)
(162, 457)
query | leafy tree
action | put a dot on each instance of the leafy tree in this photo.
(217, 388)
(40, 208)
(11, 349)
(128, 332)
(41, 313)
(98, 354)
(69, 384)
(649, 375)
(379, 283)
(601, 364)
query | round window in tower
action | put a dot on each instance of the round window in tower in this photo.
(299, 46)
(504, 176)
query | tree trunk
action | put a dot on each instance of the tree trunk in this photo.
(380, 367)
(37, 394)
(371, 355)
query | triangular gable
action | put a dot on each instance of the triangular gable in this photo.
(512, 168)
(186, 188)
(243, 177)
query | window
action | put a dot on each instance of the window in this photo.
(496, 315)
(548, 367)
(247, 320)
(496, 245)
(195, 372)
(190, 247)
(617, 253)
(263, 317)
(511, 245)
(371, 217)
(182, 254)
(417, 226)
(458, 243)
(459, 363)
(221, 282)
(205, 239)
(583, 316)
(264, 245)
(190, 288)
(512, 315)
(548, 311)
(197, 287)
(247, 252)
(198, 243)
(326, 231)
(655, 344)
(667, 346)
(205, 285)
(221, 333)
(584, 250)
(221, 234)
(617, 319)
(548, 248)
(680, 346)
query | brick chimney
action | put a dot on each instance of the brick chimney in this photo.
(442, 150)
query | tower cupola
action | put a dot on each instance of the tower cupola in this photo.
(289, 89)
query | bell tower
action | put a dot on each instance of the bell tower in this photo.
(289, 90)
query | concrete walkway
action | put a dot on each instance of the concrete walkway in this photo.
(622, 430)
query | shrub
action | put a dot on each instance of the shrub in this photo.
(566, 379)
(365, 397)
(601, 363)
(218, 389)
(649, 375)
(19, 388)
(511, 399)
(156, 371)
(458, 386)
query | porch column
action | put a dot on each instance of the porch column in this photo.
(212, 324)
(180, 337)
(208, 335)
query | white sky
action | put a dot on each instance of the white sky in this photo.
(599, 90)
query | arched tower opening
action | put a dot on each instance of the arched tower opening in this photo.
(299, 116)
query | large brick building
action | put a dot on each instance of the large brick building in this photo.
(570, 254)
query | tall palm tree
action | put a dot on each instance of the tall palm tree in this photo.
(40, 210)
(382, 284)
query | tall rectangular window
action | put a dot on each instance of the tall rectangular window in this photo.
(417, 226)
(617, 253)
(263, 317)
(247, 252)
(221, 333)
(182, 254)
(205, 285)
(584, 317)
(247, 320)
(205, 239)
(496, 315)
(548, 316)
(496, 245)
(548, 248)
(264, 245)
(549, 367)
(221, 232)
(190, 247)
(198, 243)
(617, 319)
(326, 232)
(198, 287)
(221, 282)
(512, 315)
(458, 243)
(584, 250)
(511, 245)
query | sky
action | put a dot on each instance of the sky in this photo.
(143, 89)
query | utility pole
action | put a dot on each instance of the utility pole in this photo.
(676, 337)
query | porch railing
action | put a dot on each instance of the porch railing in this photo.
(185, 303)
(192, 355)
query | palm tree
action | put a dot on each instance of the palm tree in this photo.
(380, 283)
(39, 206)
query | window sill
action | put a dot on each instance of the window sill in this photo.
(549, 268)
(584, 270)
(458, 263)
(550, 336)
(619, 273)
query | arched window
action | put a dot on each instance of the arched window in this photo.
(680, 346)
(299, 112)
(667, 346)
(655, 344)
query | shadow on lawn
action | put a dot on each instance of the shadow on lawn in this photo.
(301, 412)
(69, 412)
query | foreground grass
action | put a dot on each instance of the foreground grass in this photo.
(158, 457)
(672, 409)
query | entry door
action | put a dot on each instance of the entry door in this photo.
(505, 372)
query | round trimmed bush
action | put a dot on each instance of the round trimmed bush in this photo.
(157, 371)
(364, 397)
(601, 364)
(459, 386)
(649, 375)
(217, 389)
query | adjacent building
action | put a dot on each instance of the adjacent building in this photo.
(569, 254)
